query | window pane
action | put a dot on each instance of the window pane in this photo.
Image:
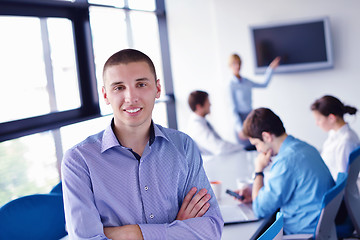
(22, 69)
(27, 75)
(146, 38)
(147, 5)
(63, 64)
(75, 133)
(27, 166)
(160, 114)
(109, 32)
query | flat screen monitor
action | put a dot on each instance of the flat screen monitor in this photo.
(302, 45)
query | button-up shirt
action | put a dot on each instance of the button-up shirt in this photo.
(207, 139)
(337, 148)
(105, 185)
(297, 182)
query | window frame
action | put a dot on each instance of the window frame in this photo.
(78, 13)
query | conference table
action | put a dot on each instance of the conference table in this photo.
(227, 168)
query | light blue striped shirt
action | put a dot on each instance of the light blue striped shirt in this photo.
(104, 185)
(297, 182)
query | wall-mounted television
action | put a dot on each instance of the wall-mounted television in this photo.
(302, 45)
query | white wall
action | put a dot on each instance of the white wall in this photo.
(203, 33)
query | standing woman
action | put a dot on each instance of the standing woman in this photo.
(342, 140)
(241, 92)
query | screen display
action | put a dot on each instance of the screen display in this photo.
(301, 46)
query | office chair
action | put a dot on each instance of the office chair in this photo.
(331, 201)
(38, 216)
(352, 196)
(57, 188)
(275, 231)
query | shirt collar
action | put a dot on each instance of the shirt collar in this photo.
(110, 140)
(285, 143)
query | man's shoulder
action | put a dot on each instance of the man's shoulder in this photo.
(175, 137)
(89, 142)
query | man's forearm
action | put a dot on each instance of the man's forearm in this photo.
(257, 185)
(127, 232)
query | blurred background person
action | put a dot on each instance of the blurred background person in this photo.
(203, 133)
(329, 113)
(241, 92)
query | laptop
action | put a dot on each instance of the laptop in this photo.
(239, 213)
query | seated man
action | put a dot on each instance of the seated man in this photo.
(205, 136)
(136, 179)
(298, 178)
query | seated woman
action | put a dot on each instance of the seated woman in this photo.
(342, 140)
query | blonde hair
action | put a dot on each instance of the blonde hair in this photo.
(234, 57)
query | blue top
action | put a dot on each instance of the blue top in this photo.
(296, 184)
(241, 95)
(105, 185)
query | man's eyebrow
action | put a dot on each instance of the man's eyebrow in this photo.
(142, 79)
(137, 80)
(115, 83)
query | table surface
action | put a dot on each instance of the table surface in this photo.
(227, 168)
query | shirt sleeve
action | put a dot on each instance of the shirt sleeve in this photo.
(277, 190)
(78, 198)
(267, 77)
(209, 141)
(206, 227)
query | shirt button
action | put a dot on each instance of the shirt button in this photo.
(146, 188)
(151, 216)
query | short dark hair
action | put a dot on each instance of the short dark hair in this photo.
(327, 105)
(197, 97)
(126, 56)
(262, 120)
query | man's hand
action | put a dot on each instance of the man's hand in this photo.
(194, 206)
(127, 232)
(246, 193)
(262, 161)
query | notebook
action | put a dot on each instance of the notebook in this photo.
(238, 213)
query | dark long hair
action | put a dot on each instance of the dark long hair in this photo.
(327, 105)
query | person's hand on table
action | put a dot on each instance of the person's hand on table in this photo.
(194, 206)
(246, 193)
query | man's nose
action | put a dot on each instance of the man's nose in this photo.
(131, 95)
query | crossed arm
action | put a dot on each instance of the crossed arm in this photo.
(193, 206)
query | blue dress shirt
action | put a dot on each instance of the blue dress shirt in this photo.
(296, 184)
(241, 96)
(105, 185)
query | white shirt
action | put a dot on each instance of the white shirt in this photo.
(337, 148)
(207, 139)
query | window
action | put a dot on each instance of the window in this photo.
(52, 54)
(29, 80)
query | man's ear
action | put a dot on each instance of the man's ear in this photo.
(105, 95)
(158, 89)
(267, 137)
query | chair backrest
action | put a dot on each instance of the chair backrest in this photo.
(331, 201)
(38, 216)
(57, 188)
(275, 231)
(352, 196)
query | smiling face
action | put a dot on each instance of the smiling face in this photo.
(131, 90)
